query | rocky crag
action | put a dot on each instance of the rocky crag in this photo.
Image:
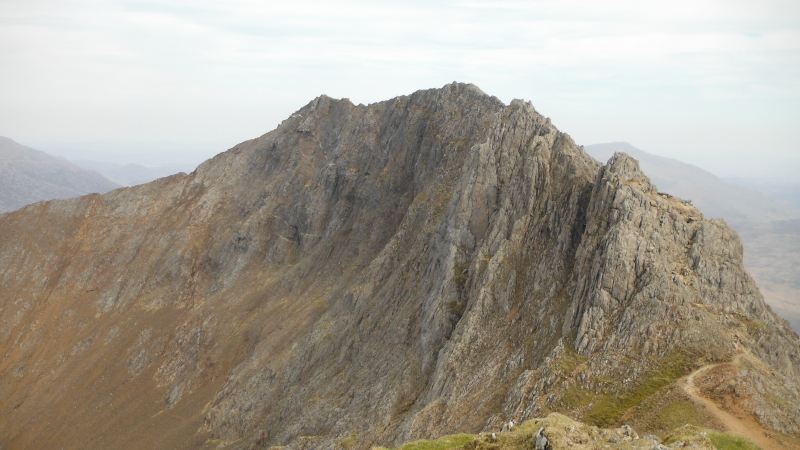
(769, 229)
(370, 275)
(715, 197)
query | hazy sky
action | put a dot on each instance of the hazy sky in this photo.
(714, 83)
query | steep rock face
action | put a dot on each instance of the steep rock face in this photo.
(769, 229)
(406, 269)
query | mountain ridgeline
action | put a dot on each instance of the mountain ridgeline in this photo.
(738, 205)
(769, 229)
(431, 264)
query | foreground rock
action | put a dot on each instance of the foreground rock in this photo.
(558, 432)
(431, 264)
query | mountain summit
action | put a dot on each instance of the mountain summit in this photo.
(435, 263)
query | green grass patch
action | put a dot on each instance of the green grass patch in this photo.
(348, 442)
(756, 329)
(443, 443)
(609, 407)
(727, 441)
(676, 415)
(573, 398)
(720, 440)
(567, 362)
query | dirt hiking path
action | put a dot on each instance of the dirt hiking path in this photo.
(743, 425)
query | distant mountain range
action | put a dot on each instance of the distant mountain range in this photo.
(132, 174)
(716, 198)
(769, 229)
(783, 190)
(772, 255)
(28, 176)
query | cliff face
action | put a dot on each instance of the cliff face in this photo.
(770, 230)
(429, 264)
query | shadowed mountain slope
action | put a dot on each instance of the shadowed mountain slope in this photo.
(433, 263)
(28, 176)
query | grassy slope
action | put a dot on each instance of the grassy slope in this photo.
(565, 433)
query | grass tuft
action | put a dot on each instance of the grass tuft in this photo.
(443, 443)
(727, 441)
(676, 414)
(609, 408)
(720, 440)
(349, 441)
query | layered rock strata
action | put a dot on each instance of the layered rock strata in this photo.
(431, 264)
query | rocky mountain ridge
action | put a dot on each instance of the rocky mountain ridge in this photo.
(430, 264)
(770, 230)
(716, 197)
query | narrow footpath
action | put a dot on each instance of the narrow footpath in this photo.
(745, 425)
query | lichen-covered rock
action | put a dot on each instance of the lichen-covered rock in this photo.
(431, 264)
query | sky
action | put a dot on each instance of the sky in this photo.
(712, 83)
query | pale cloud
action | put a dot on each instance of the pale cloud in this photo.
(209, 71)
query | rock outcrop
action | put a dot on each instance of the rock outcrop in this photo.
(715, 197)
(769, 229)
(435, 263)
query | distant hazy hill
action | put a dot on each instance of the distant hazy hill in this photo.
(714, 196)
(770, 230)
(28, 176)
(784, 190)
(132, 174)
(772, 255)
